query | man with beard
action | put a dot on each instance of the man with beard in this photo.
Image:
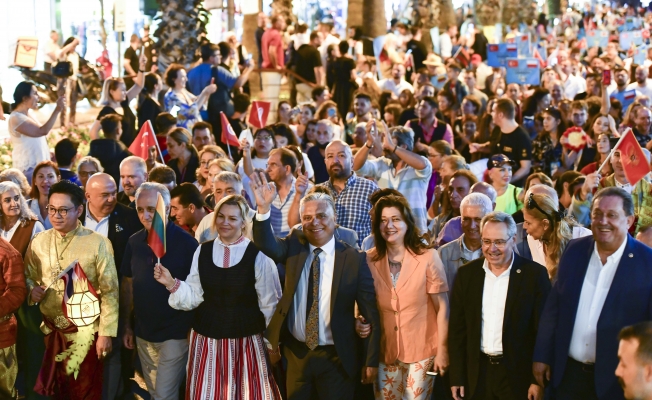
(427, 128)
(316, 153)
(362, 111)
(641, 193)
(187, 207)
(603, 284)
(351, 193)
(280, 168)
(397, 83)
(133, 172)
(642, 123)
(399, 168)
(621, 78)
(642, 84)
(634, 370)
(425, 90)
(495, 307)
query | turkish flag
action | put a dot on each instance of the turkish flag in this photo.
(146, 138)
(259, 113)
(632, 158)
(228, 135)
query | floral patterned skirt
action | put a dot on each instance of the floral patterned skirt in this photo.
(401, 381)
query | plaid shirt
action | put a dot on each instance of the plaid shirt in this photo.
(413, 183)
(352, 205)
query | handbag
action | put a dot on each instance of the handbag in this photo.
(63, 69)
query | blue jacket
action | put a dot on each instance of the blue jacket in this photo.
(629, 301)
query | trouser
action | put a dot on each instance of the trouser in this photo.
(578, 382)
(304, 93)
(8, 372)
(406, 381)
(316, 374)
(30, 346)
(68, 87)
(271, 91)
(112, 385)
(164, 366)
(493, 381)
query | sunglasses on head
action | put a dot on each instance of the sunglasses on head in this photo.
(532, 204)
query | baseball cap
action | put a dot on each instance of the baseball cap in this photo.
(498, 160)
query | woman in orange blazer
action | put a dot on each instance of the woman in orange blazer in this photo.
(412, 296)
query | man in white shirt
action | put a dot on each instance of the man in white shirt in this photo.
(495, 303)
(397, 83)
(572, 84)
(324, 281)
(447, 40)
(642, 84)
(52, 51)
(604, 284)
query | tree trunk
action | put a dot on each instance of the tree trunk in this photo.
(373, 19)
(230, 9)
(102, 27)
(488, 12)
(433, 13)
(249, 26)
(354, 14)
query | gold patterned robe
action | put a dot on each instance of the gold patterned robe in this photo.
(95, 255)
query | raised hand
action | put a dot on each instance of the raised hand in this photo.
(264, 192)
(142, 61)
(388, 141)
(61, 104)
(301, 184)
(212, 87)
(372, 132)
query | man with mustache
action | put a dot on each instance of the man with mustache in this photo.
(317, 152)
(634, 370)
(603, 284)
(133, 172)
(496, 303)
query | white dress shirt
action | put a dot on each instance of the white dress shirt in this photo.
(494, 296)
(7, 235)
(595, 288)
(101, 226)
(190, 293)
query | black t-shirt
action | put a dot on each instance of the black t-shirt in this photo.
(516, 145)
(419, 53)
(128, 121)
(308, 58)
(132, 56)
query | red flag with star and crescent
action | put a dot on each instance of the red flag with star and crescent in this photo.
(146, 138)
(632, 158)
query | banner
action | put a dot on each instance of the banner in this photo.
(627, 39)
(640, 54)
(522, 44)
(597, 38)
(524, 71)
(439, 81)
(497, 54)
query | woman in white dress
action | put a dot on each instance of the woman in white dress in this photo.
(234, 288)
(26, 132)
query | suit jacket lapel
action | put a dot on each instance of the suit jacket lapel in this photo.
(621, 277)
(476, 288)
(410, 264)
(382, 266)
(112, 223)
(514, 286)
(340, 261)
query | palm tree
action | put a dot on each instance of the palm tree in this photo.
(374, 23)
(433, 13)
(181, 29)
(354, 13)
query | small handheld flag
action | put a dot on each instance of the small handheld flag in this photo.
(259, 113)
(632, 158)
(156, 235)
(145, 139)
(228, 134)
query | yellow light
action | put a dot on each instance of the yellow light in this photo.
(83, 308)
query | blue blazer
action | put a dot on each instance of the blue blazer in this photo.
(629, 301)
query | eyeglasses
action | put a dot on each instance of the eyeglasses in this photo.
(531, 203)
(61, 211)
(263, 137)
(500, 243)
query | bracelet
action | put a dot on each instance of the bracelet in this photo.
(369, 147)
(394, 151)
(174, 287)
(140, 70)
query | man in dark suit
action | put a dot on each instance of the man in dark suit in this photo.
(604, 283)
(104, 215)
(496, 303)
(315, 318)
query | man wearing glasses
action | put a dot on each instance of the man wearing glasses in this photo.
(48, 255)
(496, 302)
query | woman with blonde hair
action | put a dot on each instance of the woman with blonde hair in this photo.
(234, 289)
(184, 159)
(206, 156)
(549, 231)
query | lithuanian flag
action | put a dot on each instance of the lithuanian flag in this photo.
(156, 235)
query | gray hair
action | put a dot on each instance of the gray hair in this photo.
(157, 187)
(141, 166)
(477, 199)
(16, 176)
(545, 190)
(318, 196)
(613, 191)
(500, 217)
(404, 136)
(490, 191)
(90, 160)
(228, 177)
(25, 213)
(329, 125)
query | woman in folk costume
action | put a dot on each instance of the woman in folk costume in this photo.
(18, 225)
(234, 288)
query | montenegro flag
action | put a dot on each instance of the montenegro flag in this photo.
(632, 158)
(156, 235)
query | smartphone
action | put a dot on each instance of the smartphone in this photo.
(331, 112)
(432, 373)
(606, 77)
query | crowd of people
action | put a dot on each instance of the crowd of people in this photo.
(383, 235)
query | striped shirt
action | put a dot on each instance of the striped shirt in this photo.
(279, 212)
(412, 183)
(352, 204)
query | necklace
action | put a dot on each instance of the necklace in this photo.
(55, 271)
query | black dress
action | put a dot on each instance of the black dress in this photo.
(189, 174)
(128, 121)
(148, 110)
(343, 86)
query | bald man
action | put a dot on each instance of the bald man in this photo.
(104, 215)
